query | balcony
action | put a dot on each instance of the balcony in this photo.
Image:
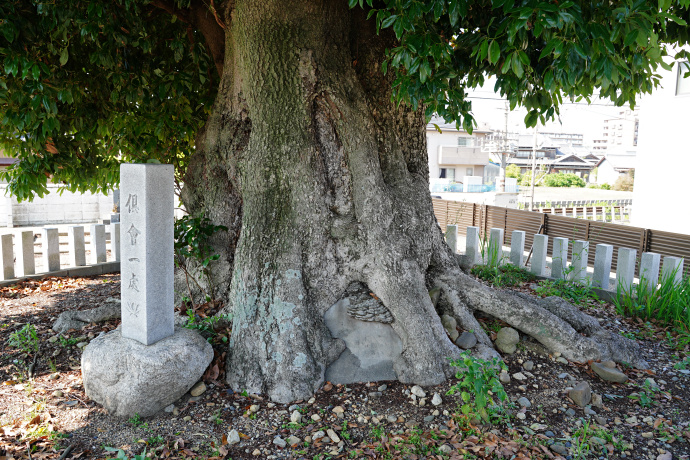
(449, 155)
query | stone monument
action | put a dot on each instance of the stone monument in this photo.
(146, 363)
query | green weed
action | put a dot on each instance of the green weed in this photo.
(25, 339)
(478, 386)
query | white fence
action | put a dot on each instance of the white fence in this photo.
(76, 252)
(626, 262)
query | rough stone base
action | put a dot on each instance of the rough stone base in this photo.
(130, 378)
(372, 347)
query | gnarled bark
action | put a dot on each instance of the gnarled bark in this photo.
(323, 182)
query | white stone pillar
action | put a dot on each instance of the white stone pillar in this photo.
(673, 268)
(452, 237)
(7, 257)
(75, 244)
(584, 212)
(472, 245)
(26, 264)
(559, 258)
(579, 260)
(602, 265)
(649, 270)
(97, 245)
(495, 254)
(625, 270)
(574, 212)
(517, 248)
(564, 212)
(146, 220)
(539, 248)
(50, 247)
(115, 240)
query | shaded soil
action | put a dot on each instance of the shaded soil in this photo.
(49, 416)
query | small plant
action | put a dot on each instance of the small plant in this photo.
(156, 440)
(573, 291)
(504, 275)
(344, 433)
(479, 385)
(26, 339)
(121, 455)
(206, 326)
(377, 432)
(135, 421)
(682, 365)
(193, 241)
(669, 303)
(67, 342)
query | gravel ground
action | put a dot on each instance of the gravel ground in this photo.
(51, 416)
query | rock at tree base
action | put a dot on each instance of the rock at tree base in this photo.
(507, 340)
(581, 394)
(77, 319)
(607, 371)
(372, 347)
(129, 378)
(466, 340)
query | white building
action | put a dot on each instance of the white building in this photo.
(454, 154)
(663, 156)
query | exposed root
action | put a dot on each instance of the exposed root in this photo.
(554, 322)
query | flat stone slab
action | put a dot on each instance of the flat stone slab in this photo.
(129, 378)
(607, 371)
(67, 320)
(372, 347)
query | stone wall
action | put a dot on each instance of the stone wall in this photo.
(68, 208)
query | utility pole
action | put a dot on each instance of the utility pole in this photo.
(534, 165)
(504, 156)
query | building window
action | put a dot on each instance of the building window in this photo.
(465, 142)
(469, 172)
(683, 84)
(447, 173)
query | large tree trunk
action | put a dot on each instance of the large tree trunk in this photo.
(323, 182)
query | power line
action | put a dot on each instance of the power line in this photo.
(565, 103)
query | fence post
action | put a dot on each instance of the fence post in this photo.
(115, 240)
(673, 268)
(540, 245)
(495, 246)
(517, 248)
(602, 265)
(579, 260)
(649, 270)
(625, 268)
(7, 257)
(452, 237)
(26, 264)
(559, 257)
(75, 244)
(50, 247)
(472, 242)
(98, 254)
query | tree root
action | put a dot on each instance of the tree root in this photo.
(555, 323)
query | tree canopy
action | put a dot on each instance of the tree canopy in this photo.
(87, 85)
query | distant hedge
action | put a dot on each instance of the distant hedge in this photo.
(563, 180)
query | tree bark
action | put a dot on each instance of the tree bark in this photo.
(323, 182)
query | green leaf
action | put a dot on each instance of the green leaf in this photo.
(494, 52)
(352, 3)
(517, 65)
(388, 21)
(64, 56)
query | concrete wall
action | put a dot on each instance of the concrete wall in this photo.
(68, 208)
(663, 159)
